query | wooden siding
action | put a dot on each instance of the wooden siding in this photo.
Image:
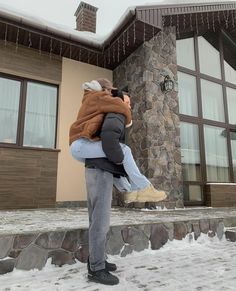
(29, 63)
(221, 195)
(27, 178)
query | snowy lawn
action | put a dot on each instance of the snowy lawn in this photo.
(206, 264)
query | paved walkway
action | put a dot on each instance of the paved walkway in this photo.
(203, 265)
(42, 220)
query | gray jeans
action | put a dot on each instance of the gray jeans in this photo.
(99, 195)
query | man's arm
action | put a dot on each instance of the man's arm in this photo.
(112, 129)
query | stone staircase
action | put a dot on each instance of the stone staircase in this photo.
(29, 238)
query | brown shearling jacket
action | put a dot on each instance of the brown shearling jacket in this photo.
(91, 114)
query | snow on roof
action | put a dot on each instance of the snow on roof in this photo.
(85, 37)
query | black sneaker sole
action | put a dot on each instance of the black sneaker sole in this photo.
(97, 280)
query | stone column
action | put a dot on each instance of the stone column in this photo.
(155, 134)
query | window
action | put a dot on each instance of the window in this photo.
(190, 153)
(209, 58)
(231, 102)
(233, 147)
(185, 53)
(217, 164)
(207, 102)
(192, 193)
(9, 109)
(40, 115)
(229, 59)
(212, 101)
(27, 113)
(187, 94)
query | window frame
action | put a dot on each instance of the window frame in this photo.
(21, 112)
(200, 121)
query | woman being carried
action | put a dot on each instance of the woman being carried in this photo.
(85, 131)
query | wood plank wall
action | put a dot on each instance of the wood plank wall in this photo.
(30, 63)
(221, 195)
(27, 178)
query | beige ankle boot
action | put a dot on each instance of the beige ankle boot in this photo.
(130, 197)
(150, 194)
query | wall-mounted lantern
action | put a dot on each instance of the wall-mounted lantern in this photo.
(167, 85)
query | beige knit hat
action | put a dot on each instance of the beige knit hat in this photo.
(105, 83)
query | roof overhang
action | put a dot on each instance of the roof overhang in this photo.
(139, 24)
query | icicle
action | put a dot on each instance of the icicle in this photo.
(30, 42)
(144, 32)
(208, 22)
(218, 17)
(5, 40)
(196, 23)
(70, 51)
(97, 60)
(171, 20)
(184, 22)
(202, 19)
(123, 35)
(134, 32)
(118, 50)
(17, 38)
(213, 21)
(104, 60)
(109, 55)
(127, 37)
(226, 18)
(190, 21)
(162, 21)
(113, 54)
(60, 49)
(178, 25)
(40, 44)
(88, 57)
(50, 54)
(232, 14)
(80, 54)
(153, 31)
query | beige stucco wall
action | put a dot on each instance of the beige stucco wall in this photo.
(70, 179)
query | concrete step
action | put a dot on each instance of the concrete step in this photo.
(230, 234)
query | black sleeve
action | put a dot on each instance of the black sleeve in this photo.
(112, 129)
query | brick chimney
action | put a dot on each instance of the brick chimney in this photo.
(86, 17)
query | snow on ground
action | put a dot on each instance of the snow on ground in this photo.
(204, 265)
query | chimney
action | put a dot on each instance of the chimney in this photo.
(86, 17)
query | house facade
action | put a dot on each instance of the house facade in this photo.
(184, 140)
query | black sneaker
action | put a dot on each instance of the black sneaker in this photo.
(103, 277)
(110, 267)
